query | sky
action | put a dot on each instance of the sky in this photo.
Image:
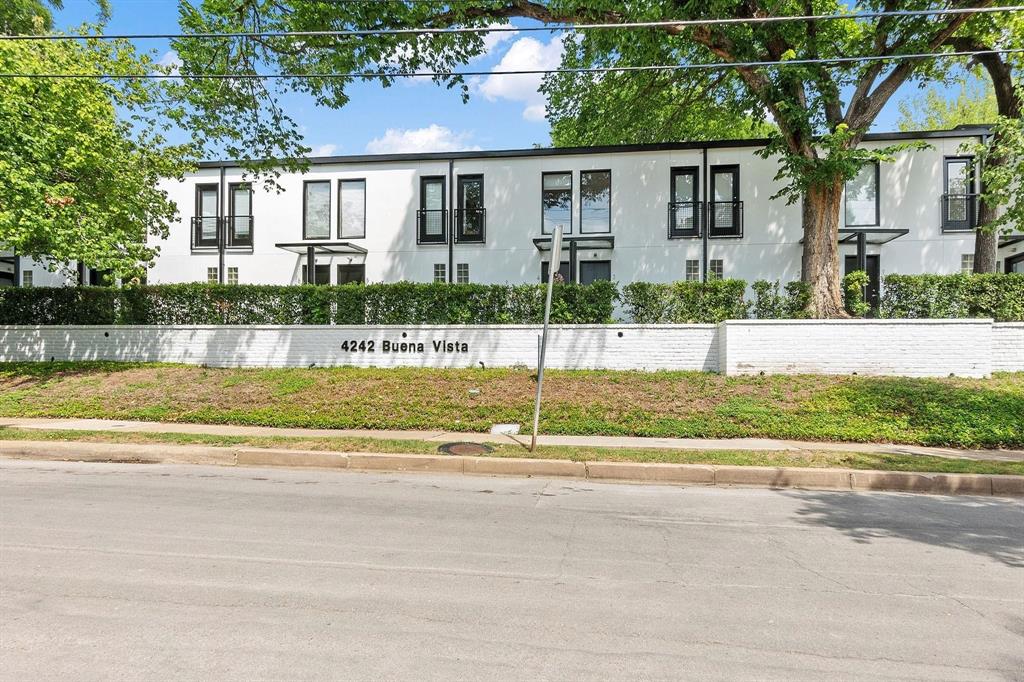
(415, 115)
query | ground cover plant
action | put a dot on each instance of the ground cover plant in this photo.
(951, 411)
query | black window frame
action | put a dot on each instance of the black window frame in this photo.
(421, 214)
(348, 267)
(878, 198)
(596, 261)
(230, 240)
(695, 232)
(317, 267)
(736, 231)
(971, 196)
(341, 219)
(595, 170)
(543, 175)
(305, 209)
(460, 210)
(197, 241)
(546, 264)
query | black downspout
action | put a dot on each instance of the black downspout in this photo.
(81, 273)
(220, 227)
(310, 265)
(451, 221)
(572, 262)
(17, 268)
(862, 255)
(704, 217)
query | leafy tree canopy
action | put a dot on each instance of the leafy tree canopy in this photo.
(974, 103)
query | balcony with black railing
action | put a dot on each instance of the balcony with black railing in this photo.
(470, 225)
(683, 219)
(432, 226)
(959, 212)
(725, 219)
(204, 232)
(237, 231)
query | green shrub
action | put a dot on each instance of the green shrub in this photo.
(398, 303)
(769, 304)
(853, 293)
(685, 302)
(998, 296)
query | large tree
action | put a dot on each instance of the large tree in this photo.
(80, 158)
(821, 113)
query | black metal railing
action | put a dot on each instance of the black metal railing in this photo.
(470, 225)
(959, 212)
(239, 232)
(204, 231)
(683, 219)
(725, 219)
(432, 226)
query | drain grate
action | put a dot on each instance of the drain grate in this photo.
(465, 449)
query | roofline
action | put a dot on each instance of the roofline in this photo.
(960, 131)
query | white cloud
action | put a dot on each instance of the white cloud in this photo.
(495, 38)
(324, 150)
(171, 60)
(433, 138)
(524, 54)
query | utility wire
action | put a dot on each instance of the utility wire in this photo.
(682, 23)
(516, 72)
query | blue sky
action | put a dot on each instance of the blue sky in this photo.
(415, 115)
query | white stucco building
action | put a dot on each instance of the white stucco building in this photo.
(646, 212)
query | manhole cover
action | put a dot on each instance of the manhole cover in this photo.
(465, 449)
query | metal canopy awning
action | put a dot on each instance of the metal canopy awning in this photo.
(583, 241)
(1010, 239)
(872, 235)
(332, 248)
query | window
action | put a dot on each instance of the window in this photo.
(967, 263)
(232, 275)
(595, 201)
(352, 209)
(684, 206)
(862, 197)
(726, 208)
(471, 216)
(556, 202)
(432, 216)
(316, 209)
(564, 273)
(26, 278)
(240, 199)
(595, 270)
(716, 271)
(440, 272)
(212, 276)
(321, 274)
(204, 228)
(462, 273)
(958, 198)
(692, 270)
(352, 273)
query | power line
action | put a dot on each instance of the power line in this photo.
(682, 23)
(516, 72)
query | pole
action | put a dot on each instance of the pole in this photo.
(556, 259)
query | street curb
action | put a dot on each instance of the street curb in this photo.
(623, 472)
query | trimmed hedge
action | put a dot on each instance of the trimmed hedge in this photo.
(685, 302)
(998, 296)
(399, 303)
(791, 304)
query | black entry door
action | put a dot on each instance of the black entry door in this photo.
(874, 287)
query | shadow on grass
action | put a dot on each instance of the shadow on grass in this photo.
(992, 528)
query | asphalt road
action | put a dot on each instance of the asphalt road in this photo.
(112, 571)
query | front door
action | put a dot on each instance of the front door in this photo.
(874, 288)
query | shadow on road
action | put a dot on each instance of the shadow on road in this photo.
(987, 527)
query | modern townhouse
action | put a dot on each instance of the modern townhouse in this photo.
(664, 212)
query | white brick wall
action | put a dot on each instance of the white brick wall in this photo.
(680, 347)
(886, 347)
(1008, 347)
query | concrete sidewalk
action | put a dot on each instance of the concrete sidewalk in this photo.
(757, 444)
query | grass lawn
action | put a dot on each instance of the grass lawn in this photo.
(954, 411)
(815, 459)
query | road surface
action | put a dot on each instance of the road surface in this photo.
(128, 571)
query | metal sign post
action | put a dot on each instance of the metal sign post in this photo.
(553, 265)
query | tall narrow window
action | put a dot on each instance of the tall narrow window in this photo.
(241, 215)
(316, 210)
(726, 210)
(556, 202)
(352, 209)
(205, 227)
(26, 278)
(471, 214)
(440, 272)
(595, 201)
(432, 216)
(684, 208)
(862, 197)
(958, 199)
(462, 273)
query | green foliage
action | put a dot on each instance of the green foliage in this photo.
(854, 285)
(770, 304)
(997, 296)
(685, 302)
(1002, 170)
(400, 303)
(973, 104)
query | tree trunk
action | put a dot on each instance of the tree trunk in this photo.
(821, 248)
(986, 238)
